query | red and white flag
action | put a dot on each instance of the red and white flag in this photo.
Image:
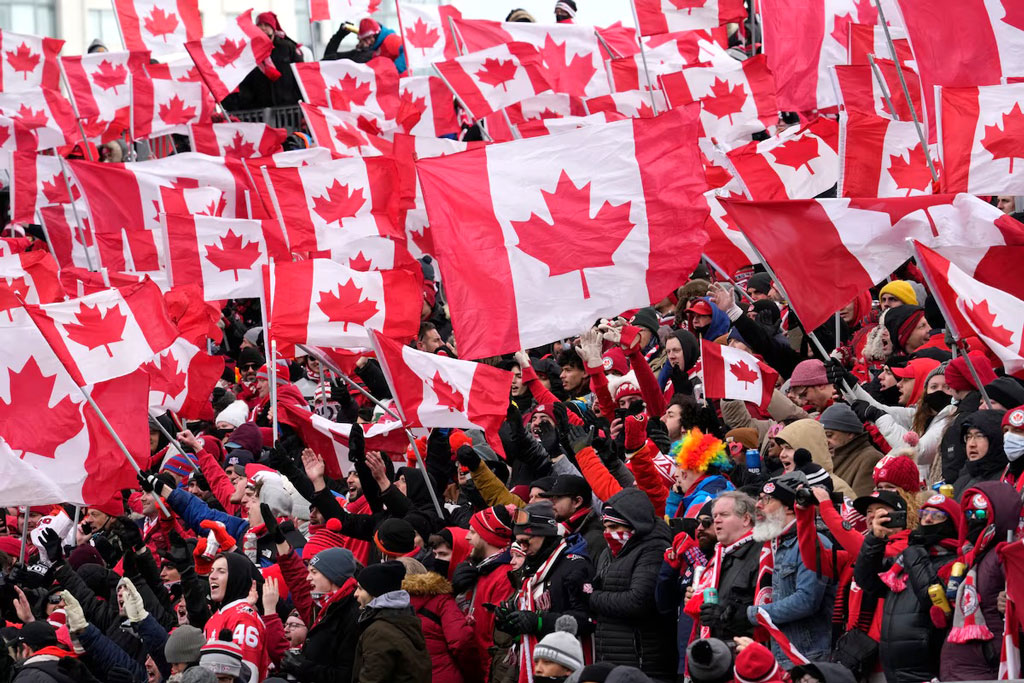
(881, 158)
(427, 33)
(775, 633)
(561, 124)
(726, 249)
(108, 334)
(23, 484)
(69, 241)
(369, 90)
(173, 97)
(160, 26)
(324, 303)
(501, 126)
(981, 134)
(803, 39)
(665, 54)
(264, 208)
(736, 99)
(181, 380)
(860, 91)
(341, 10)
(344, 133)
(425, 107)
(101, 85)
(633, 104)
(225, 59)
(29, 277)
(28, 62)
(239, 140)
(799, 163)
(576, 241)
(495, 78)
(44, 112)
(37, 181)
(435, 391)
(867, 40)
(14, 136)
(667, 16)
(974, 308)
(735, 374)
(225, 256)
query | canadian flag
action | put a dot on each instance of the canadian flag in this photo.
(974, 308)
(634, 104)
(239, 140)
(341, 10)
(494, 78)
(14, 136)
(28, 62)
(160, 26)
(173, 97)
(667, 16)
(577, 240)
(181, 380)
(30, 277)
(69, 241)
(665, 54)
(735, 374)
(369, 90)
(981, 135)
(81, 282)
(324, 303)
(44, 112)
(74, 452)
(799, 163)
(501, 126)
(329, 439)
(881, 158)
(343, 132)
(867, 40)
(434, 391)
(427, 33)
(425, 107)
(561, 124)
(23, 484)
(225, 59)
(37, 181)
(859, 90)
(223, 255)
(101, 86)
(726, 249)
(264, 208)
(736, 99)
(802, 39)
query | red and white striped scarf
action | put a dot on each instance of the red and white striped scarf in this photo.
(780, 638)
(531, 591)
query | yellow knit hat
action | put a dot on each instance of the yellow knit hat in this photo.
(900, 289)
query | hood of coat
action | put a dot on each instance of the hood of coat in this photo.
(1004, 501)
(808, 434)
(427, 585)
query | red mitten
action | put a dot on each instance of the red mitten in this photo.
(636, 432)
(675, 554)
(457, 439)
(938, 617)
(204, 565)
(220, 532)
(630, 338)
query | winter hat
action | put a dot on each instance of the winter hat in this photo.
(197, 674)
(900, 322)
(494, 524)
(234, 415)
(368, 27)
(222, 657)
(958, 375)
(1014, 418)
(760, 283)
(37, 635)
(900, 289)
(57, 618)
(96, 45)
(840, 417)
(621, 387)
(1006, 391)
(239, 457)
(395, 537)
(327, 536)
(808, 373)
(900, 471)
(709, 660)
(816, 474)
(282, 372)
(521, 16)
(253, 335)
(112, 508)
(596, 672)
(537, 519)
(743, 435)
(614, 360)
(277, 498)
(256, 473)
(337, 564)
(184, 645)
(756, 664)
(179, 464)
(251, 355)
(378, 579)
(561, 646)
(823, 671)
(84, 554)
(647, 318)
(697, 451)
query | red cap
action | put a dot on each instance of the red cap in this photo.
(1014, 418)
(700, 307)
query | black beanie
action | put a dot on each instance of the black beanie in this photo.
(395, 537)
(378, 579)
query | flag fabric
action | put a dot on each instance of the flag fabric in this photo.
(427, 33)
(28, 62)
(239, 140)
(866, 39)
(14, 136)
(324, 303)
(859, 90)
(981, 134)
(667, 16)
(264, 208)
(172, 97)
(435, 391)
(735, 374)
(501, 125)
(37, 181)
(181, 380)
(777, 636)
(665, 54)
(726, 248)
(633, 104)
(225, 59)
(577, 241)
(161, 27)
(367, 90)
(225, 256)
(69, 242)
(101, 85)
(344, 133)
(880, 158)
(44, 112)
(492, 79)
(107, 334)
(23, 484)
(425, 107)
(561, 124)
(341, 10)
(799, 163)
(29, 277)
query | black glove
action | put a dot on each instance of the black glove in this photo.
(295, 664)
(119, 674)
(837, 374)
(658, 433)
(156, 485)
(52, 544)
(866, 412)
(580, 437)
(464, 577)
(131, 535)
(178, 553)
(270, 523)
(144, 482)
(521, 622)
(468, 458)
(129, 569)
(356, 444)
(710, 614)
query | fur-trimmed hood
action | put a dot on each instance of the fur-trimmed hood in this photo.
(427, 584)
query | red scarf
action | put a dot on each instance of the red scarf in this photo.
(347, 589)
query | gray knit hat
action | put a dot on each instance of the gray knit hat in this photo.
(337, 564)
(561, 647)
(840, 417)
(182, 646)
(197, 674)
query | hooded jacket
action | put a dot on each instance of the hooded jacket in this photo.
(630, 631)
(449, 637)
(855, 461)
(992, 464)
(810, 434)
(952, 449)
(391, 646)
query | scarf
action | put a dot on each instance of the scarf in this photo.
(712, 577)
(574, 522)
(532, 590)
(347, 589)
(617, 540)
(968, 619)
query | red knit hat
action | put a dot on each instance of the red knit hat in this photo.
(756, 664)
(1014, 418)
(494, 524)
(368, 27)
(614, 360)
(282, 372)
(327, 536)
(898, 470)
(113, 507)
(958, 375)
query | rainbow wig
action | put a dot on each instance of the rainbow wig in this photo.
(697, 451)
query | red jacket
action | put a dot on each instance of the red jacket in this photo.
(450, 642)
(492, 588)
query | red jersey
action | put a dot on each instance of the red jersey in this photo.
(247, 631)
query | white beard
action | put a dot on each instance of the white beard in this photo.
(771, 528)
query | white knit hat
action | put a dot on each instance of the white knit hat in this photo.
(235, 414)
(561, 647)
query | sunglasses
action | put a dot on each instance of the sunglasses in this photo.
(976, 514)
(705, 522)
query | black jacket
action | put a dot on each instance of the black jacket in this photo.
(330, 647)
(43, 669)
(565, 591)
(952, 449)
(630, 631)
(737, 584)
(257, 90)
(591, 531)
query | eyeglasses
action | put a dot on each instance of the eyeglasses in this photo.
(705, 522)
(975, 436)
(933, 515)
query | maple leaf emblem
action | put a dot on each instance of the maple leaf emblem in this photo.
(31, 392)
(556, 242)
(231, 255)
(797, 152)
(339, 203)
(229, 51)
(644, 111)
(12, 294)
(912, 174)
(573, 75)
(160, 23)
(108, 76)
(175, 112)
(422, 36)
(688, 5)
(1007, 143)
(724, 101)
(164, 375)
(23, 59)
(841, 29)
(349, 136)
(349, 90)
(95, 329)
(447, 395)
(31, 118)
(410, 111)
(5, 135)
(239, 147)
(56, 192)
(743, 373)
(1014, 14)
(347, 306)
(495, 72)
(985, 319)
(360, 262)
(369, 125)
(190, 76)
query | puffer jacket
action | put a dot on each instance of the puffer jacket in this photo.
(449, 637)
(630, 631)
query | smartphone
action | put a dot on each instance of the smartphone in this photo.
(897, 520)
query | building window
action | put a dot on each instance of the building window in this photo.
(37, 17)
(103, 25)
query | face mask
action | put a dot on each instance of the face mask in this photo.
(549, 679)
(931, 534)
(441, 567)
(937, 400)
(616, 540)
(890, 396)
(1013, 445)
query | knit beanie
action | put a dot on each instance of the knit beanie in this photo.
(494, 524)
(808, 373)
(395, 537)
(183, 645)
(327, 536)
(597, 672)
(1006, 391)
(900, 322)
(709, 660)
(902, 290)
(761, 283)
(196, 674)
(179, 464)
(756, 664)
(900, 471)
(114, 507)
(222, 657)
(378, 579)
(958, 375)
(561, 646)
(235, 414)
(646, 318)
(840, 417)
(337, 564)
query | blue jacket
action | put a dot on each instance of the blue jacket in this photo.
(801, 603)
(193, 511)
(709, 487)
(107, 654)
(400, 59)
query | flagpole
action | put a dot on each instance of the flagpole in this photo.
(270, 349)
(837, 331)
(462, 104)
(173, 442)
(74, 211)
(727, 277)
(24, 534)
(74, 110)
(883, 86)
(643, 57)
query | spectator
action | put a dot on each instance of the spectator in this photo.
(897, 293)
(983, 437)
(570, 497)
(391, 645)
(565, 11)
(853, 455)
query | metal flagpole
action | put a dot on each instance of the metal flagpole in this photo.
(727, 277)
(74, 211)
(270, 349)
(74, 110)
(883, 86)
(24, 534)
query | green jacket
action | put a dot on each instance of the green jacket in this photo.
(391, 648)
